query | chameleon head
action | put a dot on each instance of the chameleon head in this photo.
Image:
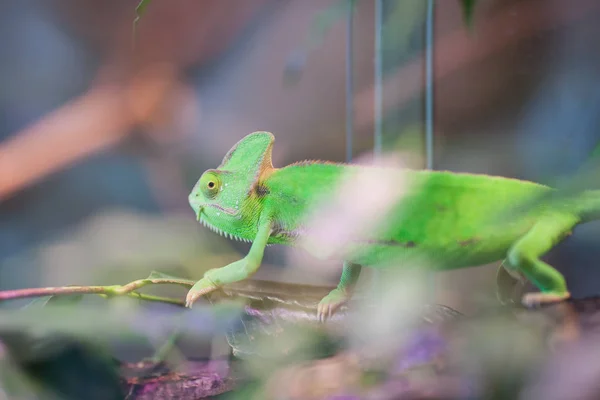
(221, 195)
(213, 206)
(206, 190)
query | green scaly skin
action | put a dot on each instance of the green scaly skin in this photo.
(445, 219)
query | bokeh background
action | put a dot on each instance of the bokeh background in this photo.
(100, 143)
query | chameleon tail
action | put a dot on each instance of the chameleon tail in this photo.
(588, 205)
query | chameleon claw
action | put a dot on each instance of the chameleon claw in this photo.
(200, 288)
(325, 312)
(531, 300)
(331, 303)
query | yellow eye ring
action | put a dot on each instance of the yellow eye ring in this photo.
(210, 184)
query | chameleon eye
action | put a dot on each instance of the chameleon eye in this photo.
(210, 184)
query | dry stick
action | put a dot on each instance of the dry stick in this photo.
(25, 158)
(105, 291)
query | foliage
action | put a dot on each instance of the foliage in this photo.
(468, 7)
(57, 343)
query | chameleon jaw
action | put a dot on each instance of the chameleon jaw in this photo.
(219, 231)
(199, 208)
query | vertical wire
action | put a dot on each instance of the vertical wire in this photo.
(349, 82)
(429, 23)
(378, 105)
(378, 78)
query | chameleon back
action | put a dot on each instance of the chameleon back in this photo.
(445, 216)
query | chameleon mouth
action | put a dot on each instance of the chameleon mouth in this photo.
(199, 207)
(201, 218)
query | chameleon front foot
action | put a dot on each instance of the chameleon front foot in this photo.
(331, 303)
(200, 288)
(532, 300)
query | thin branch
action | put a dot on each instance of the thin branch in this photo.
(104, 291)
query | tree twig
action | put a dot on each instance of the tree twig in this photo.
(129, 289)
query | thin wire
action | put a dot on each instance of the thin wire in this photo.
(349, 83)
(429, 23)
(377, 279)
(378, 78)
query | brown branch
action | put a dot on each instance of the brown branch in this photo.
(98, 119)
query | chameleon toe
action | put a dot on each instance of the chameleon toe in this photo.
(200, 288)
(531, 300)
(190, 299)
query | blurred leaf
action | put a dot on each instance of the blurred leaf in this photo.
(121, 319)
(409, 142)
(68, 299)
(140, 10)
(596, 151)
(14, 382)
(318, 30)
(402, 22)
(64, 366)
(468, 9)
(325, 20)
(161, 275)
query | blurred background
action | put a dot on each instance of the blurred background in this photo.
(100, 143)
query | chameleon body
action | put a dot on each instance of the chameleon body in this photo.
(444, 218)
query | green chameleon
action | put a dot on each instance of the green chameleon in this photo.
(446, 219)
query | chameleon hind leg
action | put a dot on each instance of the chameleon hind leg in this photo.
(524, 257)
(341, 294)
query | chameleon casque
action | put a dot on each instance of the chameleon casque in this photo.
(446, 218)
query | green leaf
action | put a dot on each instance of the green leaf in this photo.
(68, 299)
(326, 19)
(468, 9)
(162, 275)
(595, 152)
(319, 28)
(401, 23)
(61, 300)
(140, 10)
